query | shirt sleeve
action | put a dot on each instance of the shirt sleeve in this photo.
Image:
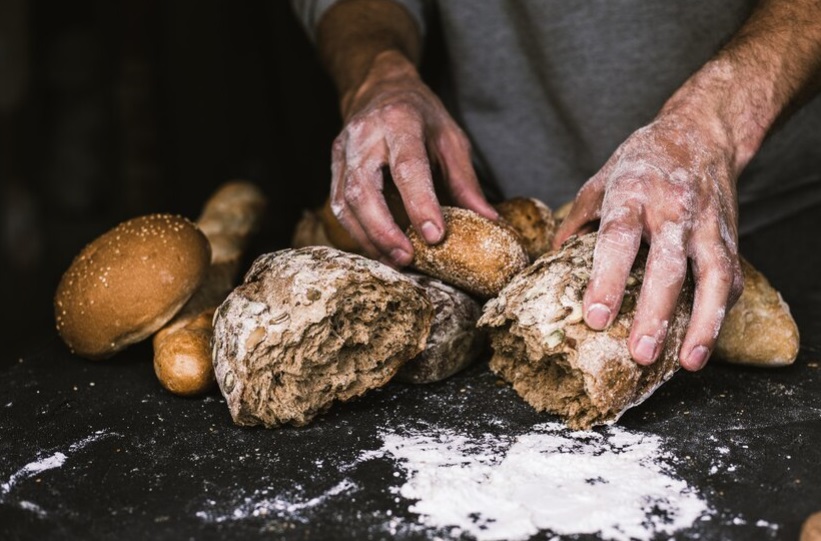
(310, 12)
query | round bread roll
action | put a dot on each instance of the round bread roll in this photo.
(532, 220)
(477, 255)
(128, 283)
(811, 530)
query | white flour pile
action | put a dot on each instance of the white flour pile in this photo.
(616, 485)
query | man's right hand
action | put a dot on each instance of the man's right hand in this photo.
(393, 120)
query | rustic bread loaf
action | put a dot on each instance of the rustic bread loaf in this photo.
(454, 341)
(477, 255)
(533, 222)
(554, 360)
(759, 329)
(182, 348)
(128, 283)
(311, 326)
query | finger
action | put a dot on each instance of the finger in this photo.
(452, 150)
(339, 206)
(585, 209)
(368, 207)
(664, 275)
(616, 248)
(715, 280)
(410, 168)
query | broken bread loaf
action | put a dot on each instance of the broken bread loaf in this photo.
(554, 361)
(454, 341)
(311, 326)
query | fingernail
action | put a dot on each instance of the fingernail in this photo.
(698, 357)
(598, 316)
(646, 349)
(431, 233)
(400, 256)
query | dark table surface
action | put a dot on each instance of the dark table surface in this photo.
(101, 451)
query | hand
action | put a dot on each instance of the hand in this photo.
(671, 183)
(394, 120)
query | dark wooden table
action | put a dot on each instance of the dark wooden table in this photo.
(101, 451)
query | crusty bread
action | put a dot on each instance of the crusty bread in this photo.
(542, 346)
(128, 283)
(182, 348)
(533, 222)
(759, 329)
(477, 255)
(311, 326)
(454, 341)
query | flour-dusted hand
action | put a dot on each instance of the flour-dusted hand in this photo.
(672, 183)
(395, 121)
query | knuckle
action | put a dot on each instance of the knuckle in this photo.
(399, 112)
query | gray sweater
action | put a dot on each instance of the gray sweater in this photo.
(547, 89)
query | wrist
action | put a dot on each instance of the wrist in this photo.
(732, 108)
(389, 67)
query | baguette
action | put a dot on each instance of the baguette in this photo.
(182, 349)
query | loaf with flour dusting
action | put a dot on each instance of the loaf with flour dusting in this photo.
(312, 326)
(454, 341)
(554, 361)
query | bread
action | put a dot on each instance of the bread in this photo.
(758, 330)
(533, 222)
(312, 326)
(477, 255)
(128, 283)
(811, 530)
(561, 213)
(310, 231)
(182, 348)
(454, 341)
(554, 361)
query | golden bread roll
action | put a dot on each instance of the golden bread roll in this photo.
(477, 255)
(128, 283)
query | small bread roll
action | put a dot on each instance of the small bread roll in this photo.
(759, 329)
(532, 220)
(477, 255)
(128, 283)
(811, 530)
(561, 213)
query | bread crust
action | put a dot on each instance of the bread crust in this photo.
(759, 329)
(533, 221)
(454, 342)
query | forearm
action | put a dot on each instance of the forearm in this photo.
(354, 35)
(772, 64)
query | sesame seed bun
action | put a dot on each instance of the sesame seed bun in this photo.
(128, 283)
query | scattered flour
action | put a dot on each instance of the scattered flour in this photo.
(262, 503)
(616, 484)
(49, 462)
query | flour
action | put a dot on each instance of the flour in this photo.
(54, 460)
(616, 484)
(264, 503)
